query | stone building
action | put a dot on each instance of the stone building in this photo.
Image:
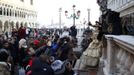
(126, 10)
(103, 5)
(14, 13)
(118, 50)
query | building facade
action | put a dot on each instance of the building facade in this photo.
(117, 51)
(14, 13)
(126, 10)
(103, 5)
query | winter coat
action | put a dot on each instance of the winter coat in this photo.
(54, 48)
(73, 31)
(65, 50)
(21, 33)
(4, 68)
(41, 68)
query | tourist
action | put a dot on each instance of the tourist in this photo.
(5, 66)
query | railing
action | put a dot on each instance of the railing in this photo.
(117, 55)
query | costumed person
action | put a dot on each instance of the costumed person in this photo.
(100, 34)
(90, 56)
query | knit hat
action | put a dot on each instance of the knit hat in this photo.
(3, 55)
(36, 42)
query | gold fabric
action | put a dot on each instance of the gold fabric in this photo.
(90, 56)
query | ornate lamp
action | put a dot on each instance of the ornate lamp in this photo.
(74, 15)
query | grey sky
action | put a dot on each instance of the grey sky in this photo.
(48, 10)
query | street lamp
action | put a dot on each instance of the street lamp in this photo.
(84, 23)
(88, 15)
(60, 10)
(74, 15)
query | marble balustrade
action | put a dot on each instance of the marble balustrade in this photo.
(117, 55)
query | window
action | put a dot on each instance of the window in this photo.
(15, 13)
(31, 2)
(4, 11)
(7, 12)
(10, 12)
(0, 10)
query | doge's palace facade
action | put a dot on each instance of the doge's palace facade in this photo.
(14, 13)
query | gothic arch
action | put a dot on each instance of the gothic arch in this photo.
(21, 24)
(17, 25)
(30, 25)
(33, 25)
(1, 29)
(12, 25)
(6, 25)
(0, 25)
(26, 25)
(0, 10)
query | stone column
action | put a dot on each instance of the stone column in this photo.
(2, 26)
(104, 49)
(110, 66)
(12, 12)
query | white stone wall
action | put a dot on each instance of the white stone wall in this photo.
(123, 6)
(14, 13)
(118, 55)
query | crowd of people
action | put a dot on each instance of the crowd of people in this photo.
(42, 52)
(36, 52)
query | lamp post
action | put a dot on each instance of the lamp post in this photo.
(84, 22)
(60, 10)
(88, 15)
(74, 15)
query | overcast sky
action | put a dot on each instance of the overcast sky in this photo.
(48, 11)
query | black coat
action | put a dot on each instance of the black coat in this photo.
(41, 68)
(73, 31)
